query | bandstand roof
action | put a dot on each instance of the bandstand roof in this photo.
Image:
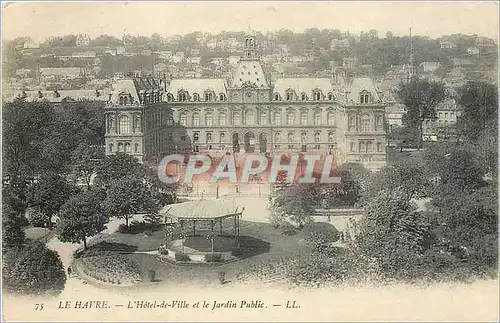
(203, 209)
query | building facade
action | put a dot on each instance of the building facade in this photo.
(248, 114)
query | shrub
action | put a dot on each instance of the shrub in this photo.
(163, 251)
(122, 228)
(36, 218)
(213, 257)
(237, 252)
(180, 256)
(287, 228)
(33, 269)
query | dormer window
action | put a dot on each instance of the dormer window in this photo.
(183, 96)
(289, 95)
(196, 97)
(317, 95)
(170, 97)
(209, 96)
(364, 97)
(331, 97)
(222, 97)
(276, 97)
(303, 97)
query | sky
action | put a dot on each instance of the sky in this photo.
(41, 20)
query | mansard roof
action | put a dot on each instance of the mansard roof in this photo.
(249, 72)
(56, 97)
(305, 85)
(197, 86)
(359, 85)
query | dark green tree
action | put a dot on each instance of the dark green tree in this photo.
(13, 235)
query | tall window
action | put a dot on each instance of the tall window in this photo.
(317, 96)
(277, 118)
(209, 96)
(289, 96)
(209, 136)
(352, 123)
(379, 146)
(277, 137)
(353, 146)
(120, 147)
(196, 137)
(236, 118)
(330, 136)
(303, 97)
(364, 98)
(196, 97)
(303, 118)
(303, 136)
(250, 118)
(369, 146)
(290, 118)
(196, 119)
(290, 137)
(136, 147)
(365, 124)
(222, 118)
(330, 97)
(127, 147)
(183, 119)
(317, 136)
(331, 118)
(208, 119)
(361, 146)
(110, 148)
(124, 124)
(263, 118)
(222, 137)
(276, 97)
(317, 117)
(170, 97)
(183, 96)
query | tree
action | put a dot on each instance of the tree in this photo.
(117, 166)
(293, 203)
(81, 217)
(393, 232)
(480, 103)
(127, 196)
(50, 193)
(420, 97)
(33, 269)
(462, 171)
(13, 235)
(86, 160)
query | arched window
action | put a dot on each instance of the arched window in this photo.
(124, 124)
(209, 96)
(196, 119)
(125, 100)
(222, 137)
(277, 118)
(317, 117)
(209, 136)
(364, 98)
(290, 136)
(330, 136)
(276, 96)
(378, 122)
(365, 123)
(263, 118)
(121, 100)
(250, 118)
(170, 97)
(289, 95)
(317, 136)
(290, 118)
(136, 148)
(110, 148)
(208, 119)
(222, 97)
(277, 137)
(361, 146)
(236, 118)
(303, 97)
(196, 97)
(183, 119)
(303, 136)
(317, 95)
(369, 146)
(379, 146)
(353, 146)
(120, 147)
(127, 147)
(330, 97)
(303, 118)
(222, 118)
(330, 118)
(183, 96)
(196, 137)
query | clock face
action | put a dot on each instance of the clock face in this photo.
(249, 94)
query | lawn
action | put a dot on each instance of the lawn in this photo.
(260, 241)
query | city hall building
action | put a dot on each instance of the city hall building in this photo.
(150, 118)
